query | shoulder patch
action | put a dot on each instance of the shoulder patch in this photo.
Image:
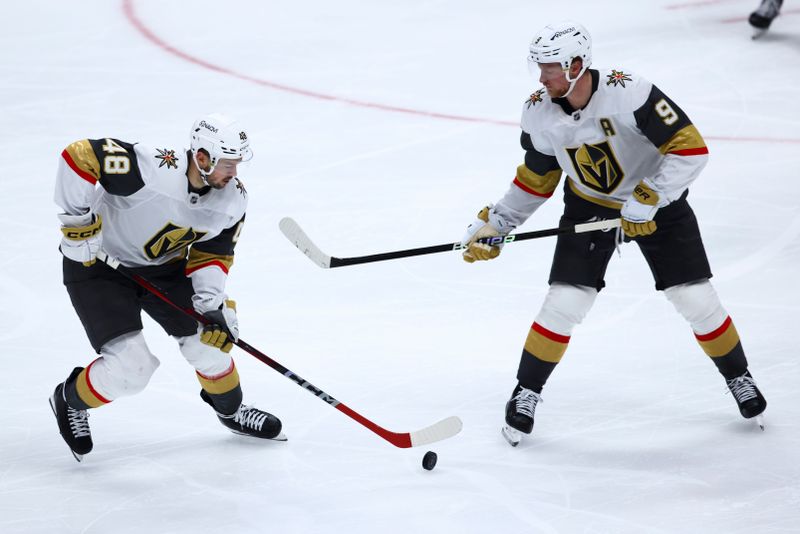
(167, 158)
(535, 97)
(618, 77)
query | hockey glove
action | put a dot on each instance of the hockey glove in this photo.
(488, 224)
(638, 211)
(82, 237)
(223, 327)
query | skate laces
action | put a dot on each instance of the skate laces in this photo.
(78, 422)
(250, 417)
(526, 401)
(769, 9)
(743, 388)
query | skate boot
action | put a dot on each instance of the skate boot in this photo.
(73, 424)
(519, 414)
(747, 395)
(761, 18)
(250, 421)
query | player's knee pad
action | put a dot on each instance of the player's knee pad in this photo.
(699, 304)
(565, 306)
(207, 360)
(125, 366)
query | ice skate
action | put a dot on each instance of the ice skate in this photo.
(72, 424)
(748, 397)
(250, 421)
(762, 18)
(519, 414)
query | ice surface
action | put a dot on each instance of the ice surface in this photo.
(380, 126)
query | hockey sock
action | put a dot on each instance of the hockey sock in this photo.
(223, 390)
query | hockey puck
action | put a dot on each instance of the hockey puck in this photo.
(429, 460)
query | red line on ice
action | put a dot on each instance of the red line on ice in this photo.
(130, 15)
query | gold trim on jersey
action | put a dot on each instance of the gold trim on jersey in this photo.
(198, 258)
(687, 138)
(594, 200)
(82, 155)
(541, 184)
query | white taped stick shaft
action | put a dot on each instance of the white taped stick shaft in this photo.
(606, 224)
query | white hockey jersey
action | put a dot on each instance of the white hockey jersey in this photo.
(150, 215)
(628, 131)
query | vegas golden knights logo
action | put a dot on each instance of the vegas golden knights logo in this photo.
(169, 239)
(597, 166)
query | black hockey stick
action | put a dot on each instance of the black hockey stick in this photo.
(444, 429)
(300, 239)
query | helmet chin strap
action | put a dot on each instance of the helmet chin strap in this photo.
(573, 81)
(203, 174)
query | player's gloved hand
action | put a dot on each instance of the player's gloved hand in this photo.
(223, 327)
(82, 237)
(638, 211)
(488, 224)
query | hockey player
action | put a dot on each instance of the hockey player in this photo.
(173, 218)
(762, 17)
(629, 151)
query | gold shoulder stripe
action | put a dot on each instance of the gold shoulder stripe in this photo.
(198, 260)
(686, 142)
(81, 159)
(541, 185)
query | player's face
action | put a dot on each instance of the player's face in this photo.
(552, 76)
(224, 172)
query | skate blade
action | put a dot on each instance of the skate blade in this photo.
(758, 33)
(52, 401)
(760, 421)
(512, 435)
(279, 437)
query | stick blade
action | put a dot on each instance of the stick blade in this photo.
(446, 428)
(298, 238)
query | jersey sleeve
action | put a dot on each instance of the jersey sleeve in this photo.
(85, 163)
(673, 134)
(535, 181)
(208, 265)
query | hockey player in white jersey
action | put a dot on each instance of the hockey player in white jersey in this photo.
(173, 217)
(627, 150)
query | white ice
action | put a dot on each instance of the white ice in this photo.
(635, 434)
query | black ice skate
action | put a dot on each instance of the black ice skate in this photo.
(519, 414)
(761, 18)
(73, 424)
(250, 421)
(747, 395)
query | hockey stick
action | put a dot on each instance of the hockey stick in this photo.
(444, 429)
(300, 239)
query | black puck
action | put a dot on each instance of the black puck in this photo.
(429, 460)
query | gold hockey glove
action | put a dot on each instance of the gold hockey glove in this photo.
(480, 228)
(82, 237)
(223, 327)
(638, 211)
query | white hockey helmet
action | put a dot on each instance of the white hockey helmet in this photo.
(220, 136)
(561, 43)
